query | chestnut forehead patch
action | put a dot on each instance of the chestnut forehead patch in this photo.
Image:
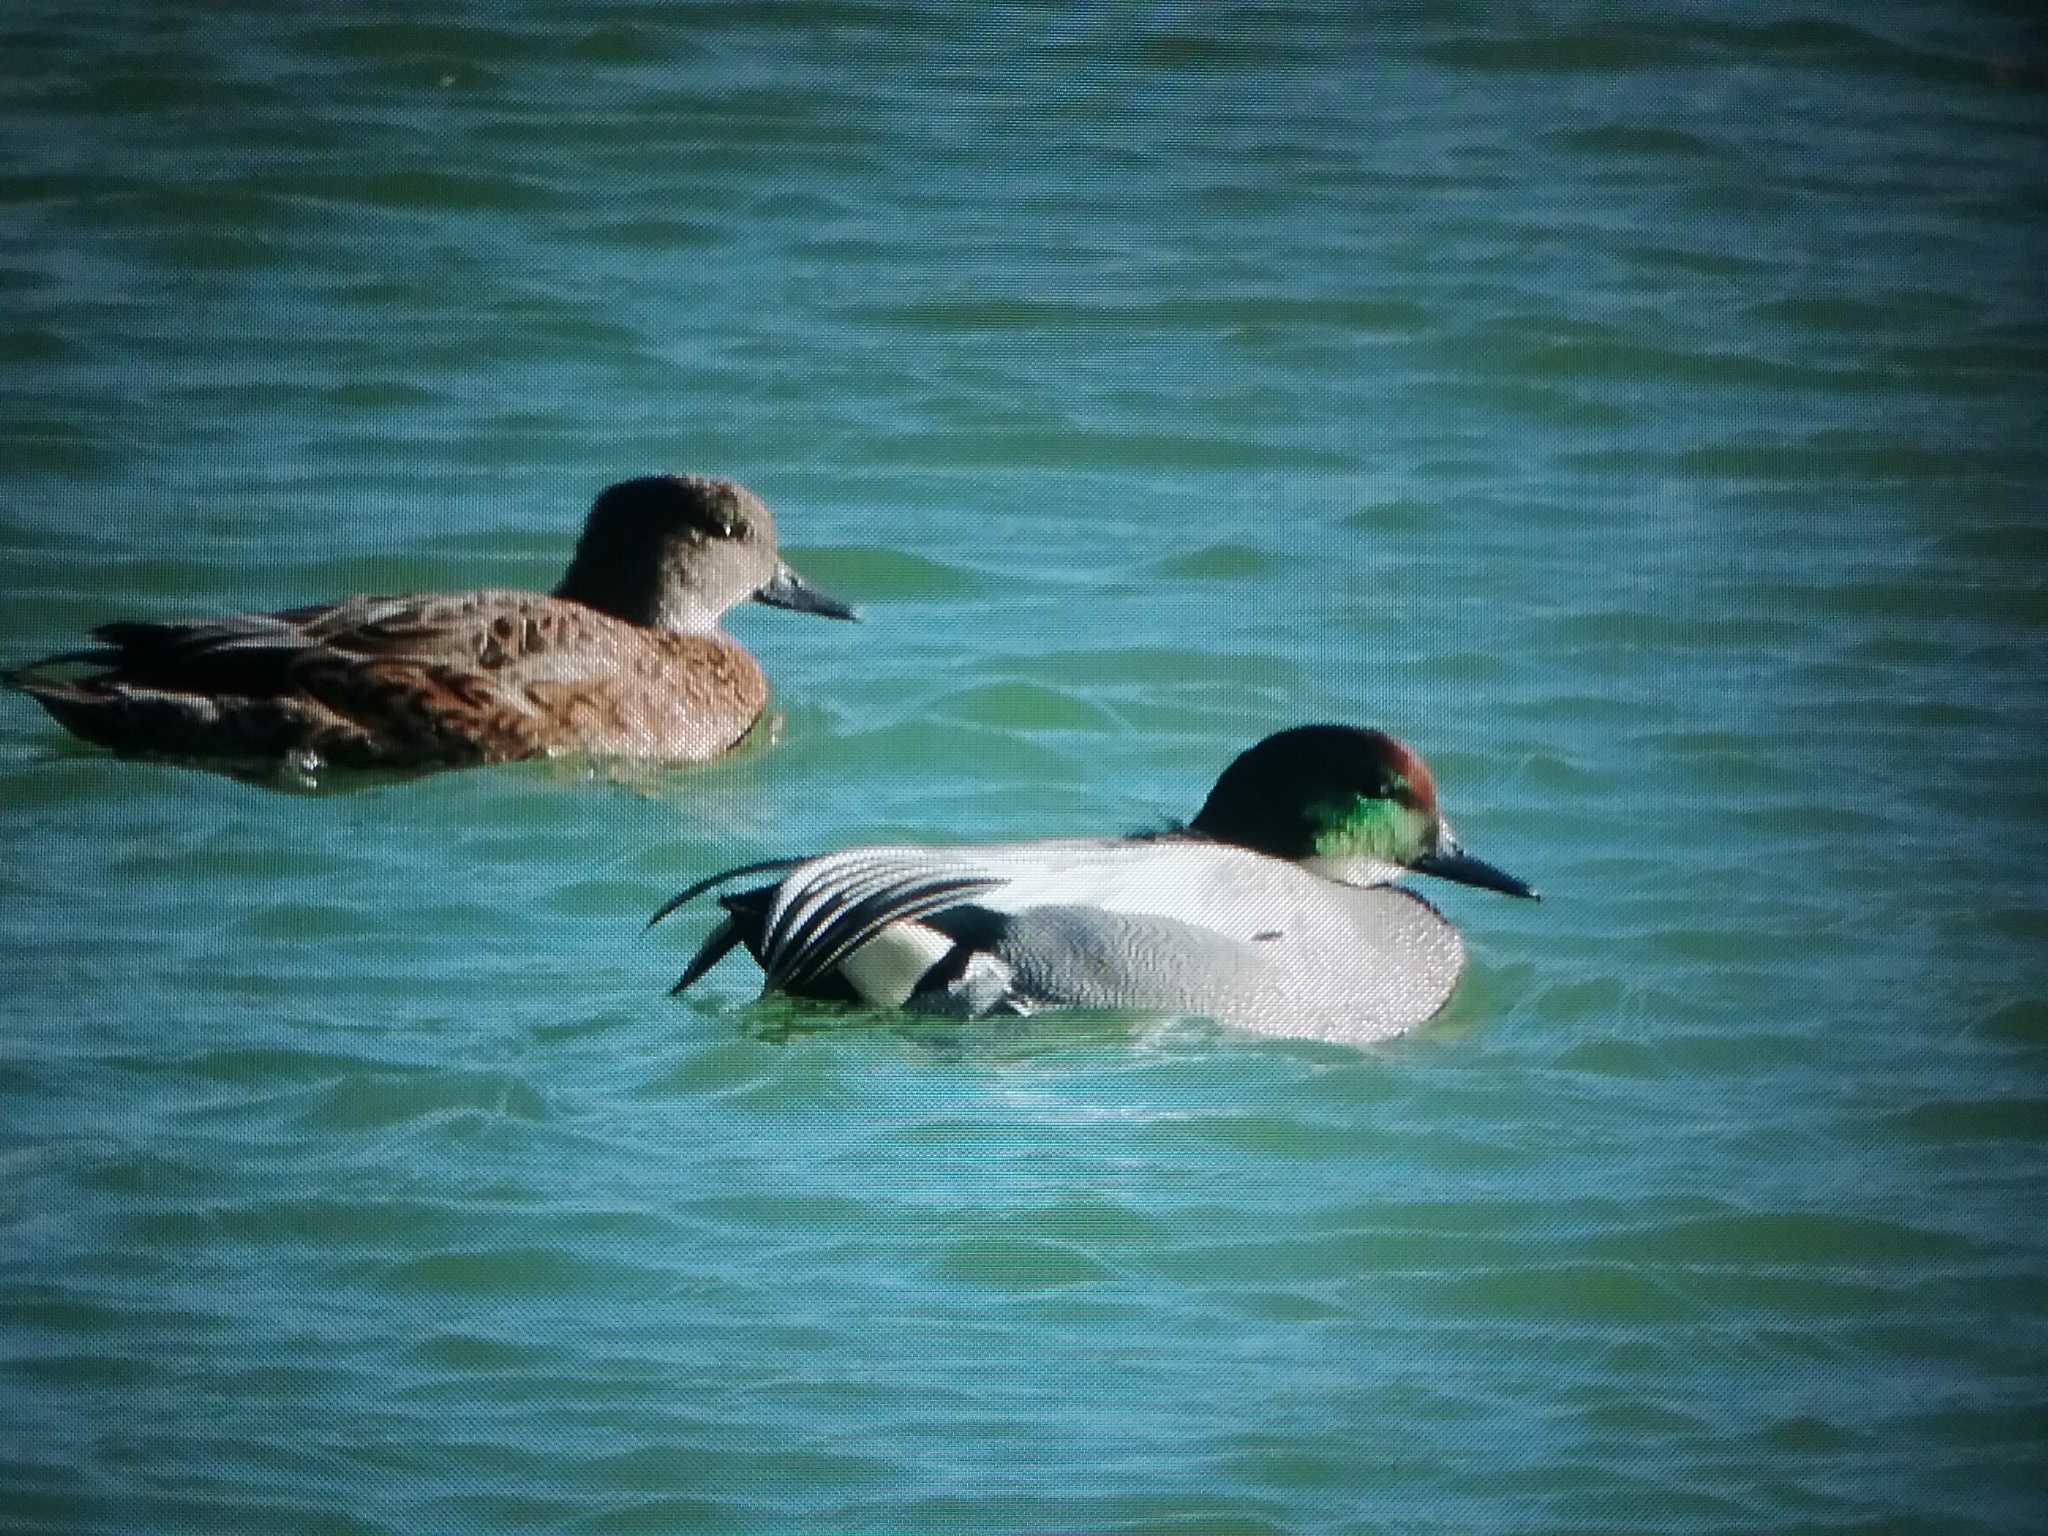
(1413, 773)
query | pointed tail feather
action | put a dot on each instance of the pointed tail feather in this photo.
(721, 942)
(685, 897)
(26, 677)
(746, 912)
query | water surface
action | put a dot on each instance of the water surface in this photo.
(1643, 418)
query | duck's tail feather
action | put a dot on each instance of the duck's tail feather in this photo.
(685, 897)
(745, 914)
(29, 676)
(842, 924)
(721, 942)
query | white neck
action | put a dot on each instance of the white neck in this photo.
(1353, 868)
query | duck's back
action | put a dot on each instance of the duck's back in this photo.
(412, 681)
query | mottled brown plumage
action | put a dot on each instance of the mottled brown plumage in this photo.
(625, 659)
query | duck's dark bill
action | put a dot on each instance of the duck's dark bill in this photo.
(1466, 870)
(786, 589)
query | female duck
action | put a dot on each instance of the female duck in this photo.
(1272, 909)
(626, 658)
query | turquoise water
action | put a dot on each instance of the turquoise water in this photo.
(1644, 418)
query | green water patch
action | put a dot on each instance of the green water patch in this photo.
(381, 41)
(2020, 547)
(1965, 1121)
(66, 189)
(952, 753)
(2023, 1023)
(1695, 262)
(311, 922)
(1828, 314)
(1024, 707)
(1640, 141)
(1143, 666)
(324, 1225)
(57, 1312)
(514, 1270)
(1786, 1292)
(384, 1100)
(1093, 1222)
(659, 1468)
(98, 1370)
(1072, 447)
(1996, 357)
(246, 208)
(1018, 1264)
(1403, 515)
(469, 1352)
(1581, 1293)
(645, 1515)
(1226, 561)
(784, 1211)
(1552, 405)
(139, 580)
(1603, 52)
(389, 394)
(554, 325)
(1297, 1466)
(1902, 598)
(33, 344)
(1752, 1240)
(268, 1066)
(872, 573)
(750, 1079)
(723, 1067)
(1474, 669)
(430, 76)
(1590, 998)
(173, 84)
(64, 772)
(1637, 363)
(1638, 1418)
(654, 232)
(510, 542)
(32, 446)
(1835, 457)
(1176, 315)
(621, 42)
(1266, 1135)
(433, 191)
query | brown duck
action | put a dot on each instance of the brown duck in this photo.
(625, 659)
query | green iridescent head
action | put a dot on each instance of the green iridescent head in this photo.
(1359, 806)
(1325, 791)
(1366, 826)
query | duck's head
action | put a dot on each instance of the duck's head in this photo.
(1354, 805)
(676, 551)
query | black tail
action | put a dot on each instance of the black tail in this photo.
(715, 948)
(746, 916)
(684, 897)
(29, 676)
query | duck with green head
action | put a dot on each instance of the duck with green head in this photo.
(1275, 908)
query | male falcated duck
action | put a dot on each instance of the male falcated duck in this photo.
(626, 658)
(1272, 909)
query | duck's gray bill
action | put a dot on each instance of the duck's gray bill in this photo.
(1454, 864)
(786, 589)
